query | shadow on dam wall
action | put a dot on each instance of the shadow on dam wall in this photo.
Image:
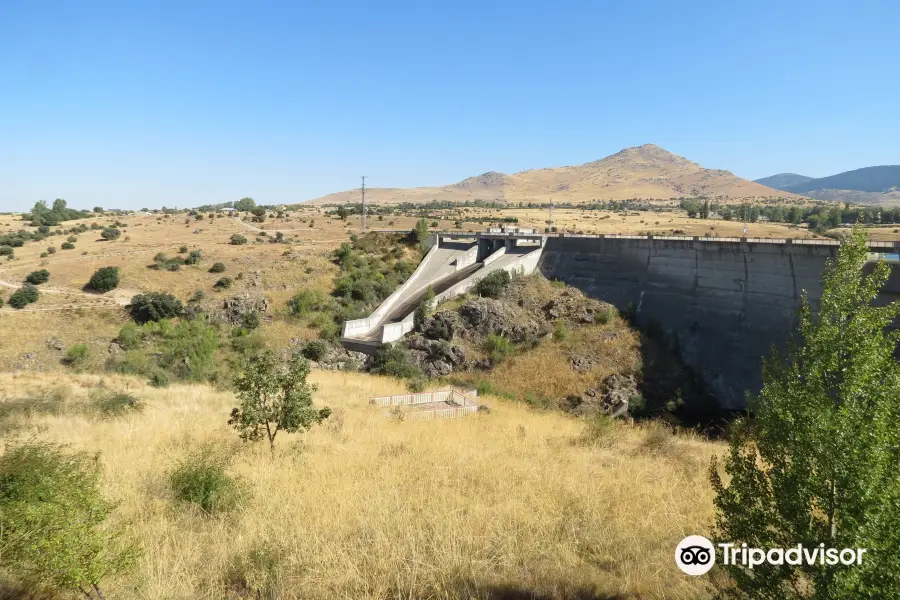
(724, 304)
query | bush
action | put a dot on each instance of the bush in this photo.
(67, 246)
(77, 355)
(23, 296)
(493, 284)
(188, 350)
(238, 239)
(315, 350)
(51, 249)
(182, 249)
(562, 332)
(54, 519)
(130, 336)
(224, 283)
(113, 403)
(104, 279)
(193, 257)
(201, 479)
(217, 268)
(251, 320)
(72, 239)
(416, 385)
(498, 347)
(38, 277)
(306, 301)
(394, 361)
(110, 233)
(6, 251)
(154, 306)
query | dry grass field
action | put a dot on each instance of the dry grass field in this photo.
(509, 504)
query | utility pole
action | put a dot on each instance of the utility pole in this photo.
(551, 216)
(363, 203)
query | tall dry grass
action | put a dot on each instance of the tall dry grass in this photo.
(508, 504)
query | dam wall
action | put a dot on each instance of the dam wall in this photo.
(724, 304)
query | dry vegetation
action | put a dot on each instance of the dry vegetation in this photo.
(513, 503)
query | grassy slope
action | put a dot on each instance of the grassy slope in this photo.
(367, 507)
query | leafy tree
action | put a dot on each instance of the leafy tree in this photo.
(819, 462)
(154, 306)
(53, 520)
(274, 397)
(104, 279)
(245, 204)
(492, 285)
(420, 232)
(98, 210)
(342, 213)
(24, 296)
(238, 240)
(424, 309)
(110, 233)
(38, 277)
(392, 360)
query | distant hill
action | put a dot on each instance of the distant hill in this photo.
(870, 185)
(782, 181)
(646, 171)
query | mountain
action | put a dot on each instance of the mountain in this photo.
(646, 171)
(870, 185)
(782, 181)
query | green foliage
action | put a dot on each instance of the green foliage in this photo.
(182, 249)
(424, 309)
(274, 397)
(130, 336)
(110, 233)
(217, 267)
(6, 251)
(493, 284)
(598, 431)
(259, 571)
(562, 332)
(245, 204)
(193, 257)
(238, 240)
(251, 320)
(164, 263)
(392, 360)
(23, 296)
(201, 479)
(306, 301)
(53, 519)
(104, 279)
(78, 355)
(498, 347)
(223, 283)
(67, 246)
(188, 350)
(820, 460)
(113, 403)
(343, 254)
(315, 350)
(154, 306)
(38, 277)
(416, 385)
(41, 214)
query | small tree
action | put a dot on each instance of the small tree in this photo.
(424, 309)
(820, 460)
(104, 279)
(274, 397)
(53, 520)
(238, 240)
(245, 204)
(154, 306)
(420, 231)
(492, 285)
(110, 233)
(24, 296)
(194, 257)
(38, 277)
(217, 267)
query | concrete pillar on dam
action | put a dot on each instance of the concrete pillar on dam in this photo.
(724, 304)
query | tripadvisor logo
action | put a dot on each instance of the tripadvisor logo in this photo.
(696, 555)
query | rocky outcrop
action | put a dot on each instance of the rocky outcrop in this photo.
(613, 399)
(436, 358)
(485, 316)
(235, 309)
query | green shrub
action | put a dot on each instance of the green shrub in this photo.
(112, 403)
(394, 361)
(130, 336)
(188, 350)
(44, 255)
(54, 519)
(416, 385)
(193, 257)
(38, 277)
(201, 479)
(77, 355)
(498, 347)
(306, 301)
(110, 233)
(154, 306)
(217, 268)
(67, 246)
(315, 350)
(238, 239)
(182, 249)
(104, 279)
(24, 296)
(251, 320)
(159, 378)
(492, 285)
(6, 251)
(223, 284)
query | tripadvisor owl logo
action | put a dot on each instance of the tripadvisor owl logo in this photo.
(695, 555)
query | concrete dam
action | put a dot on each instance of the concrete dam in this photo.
(722, 302)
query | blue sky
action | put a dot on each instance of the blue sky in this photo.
(130, 104)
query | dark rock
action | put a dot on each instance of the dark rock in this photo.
(591, 393)
(235, 308)
(484, 316)
(442, 326)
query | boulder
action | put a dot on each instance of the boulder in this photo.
(484, 316)
(235, 308)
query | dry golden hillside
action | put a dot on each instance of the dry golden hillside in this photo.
(513, 503)
(646, 171)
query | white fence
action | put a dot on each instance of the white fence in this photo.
(463, 405)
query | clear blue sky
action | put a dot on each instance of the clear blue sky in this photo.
(126, 104)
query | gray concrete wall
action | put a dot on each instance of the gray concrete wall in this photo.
(724, 303)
